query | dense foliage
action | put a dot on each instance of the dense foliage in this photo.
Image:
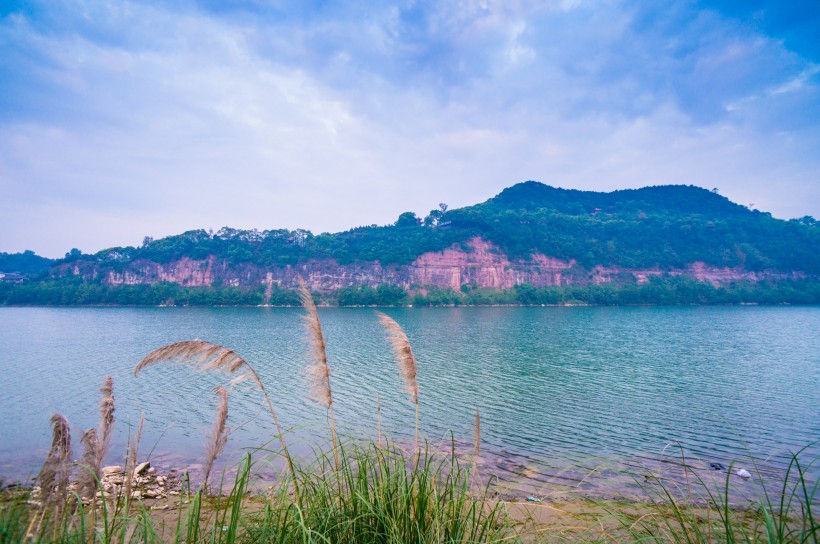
(667, 226)
(23, 263)
(670, 290)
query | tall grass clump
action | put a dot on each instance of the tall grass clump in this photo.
(406, 360)
(700, 511)
(382, 495)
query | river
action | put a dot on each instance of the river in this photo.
(560, 390)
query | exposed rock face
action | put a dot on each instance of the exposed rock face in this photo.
(483, 265)
(479, 263)
(185, 271)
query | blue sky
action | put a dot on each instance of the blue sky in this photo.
(120, 120)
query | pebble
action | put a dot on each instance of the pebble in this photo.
(743, 473)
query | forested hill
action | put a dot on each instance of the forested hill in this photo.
(662, 228)
(25, 263)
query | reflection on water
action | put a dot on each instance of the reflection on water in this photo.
(566, 395)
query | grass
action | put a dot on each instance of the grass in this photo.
(387, 495)
(377, 495)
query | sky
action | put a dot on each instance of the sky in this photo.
(120, 120)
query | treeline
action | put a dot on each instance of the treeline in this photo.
(667, 290)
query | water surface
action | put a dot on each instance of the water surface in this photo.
(557, 388)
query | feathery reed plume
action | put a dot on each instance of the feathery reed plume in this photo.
(97, 441)
(219, 434)
(106, 426)
(209, 356)
(53, 477)
(407, 362)
(90, 472)
(131, 461)
(477, 434)
(318, 373)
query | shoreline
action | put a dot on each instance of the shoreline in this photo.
(513, 478)
(375, 306)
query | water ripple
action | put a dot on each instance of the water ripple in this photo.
(556, 387)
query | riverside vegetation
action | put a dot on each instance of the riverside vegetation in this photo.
(366, 491)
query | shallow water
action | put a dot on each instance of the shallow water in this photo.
(560, 390)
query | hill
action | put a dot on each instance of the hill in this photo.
(529, 235)
(26, 263)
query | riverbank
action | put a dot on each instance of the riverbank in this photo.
(373, 493)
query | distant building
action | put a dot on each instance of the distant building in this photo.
(12, 277)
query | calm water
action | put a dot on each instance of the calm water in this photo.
(556, 387)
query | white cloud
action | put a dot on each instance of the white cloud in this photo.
(151, 122)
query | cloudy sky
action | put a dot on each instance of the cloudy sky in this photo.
(120, 120)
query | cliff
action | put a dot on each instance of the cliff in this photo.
(476, 263)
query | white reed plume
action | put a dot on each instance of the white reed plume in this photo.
(319, 372)
(406, 360)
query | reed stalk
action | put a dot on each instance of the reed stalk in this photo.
(476, 434)
(318, 373)
(105, 430)
(54, 475)
(131, 461)
(90, 473)
(204, 355)
(379, 421)
(97, 441)
(219, 433)
(406, 360)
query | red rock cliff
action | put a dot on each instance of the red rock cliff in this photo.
(479, 263)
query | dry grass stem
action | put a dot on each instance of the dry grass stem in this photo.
(54, 475)
(219, 434)
(477, 434)
(209, 356)
(407, 362)
(131, 461)
(318, 373)
(379, 421)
